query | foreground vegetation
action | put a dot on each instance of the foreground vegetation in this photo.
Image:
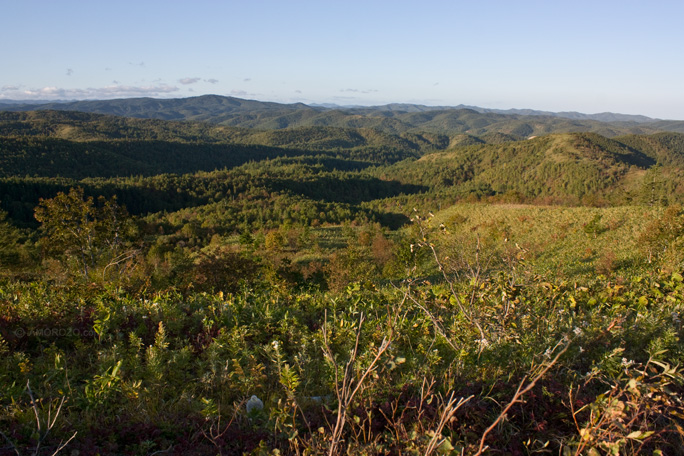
(142, 314)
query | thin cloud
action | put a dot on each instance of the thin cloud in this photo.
(211, 81)
(69, 72)
(134, 90)
(358, 90)
(244, 94)
(247, 79)
(187, 81)
(112, 91)
(140, 64)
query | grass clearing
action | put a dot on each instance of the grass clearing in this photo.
(568, 242)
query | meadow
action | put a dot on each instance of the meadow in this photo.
(496, 328)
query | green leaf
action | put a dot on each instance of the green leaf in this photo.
(445, 447)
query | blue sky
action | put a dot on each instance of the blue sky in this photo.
(590, 56)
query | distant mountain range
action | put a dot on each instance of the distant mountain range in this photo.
(404, 107)
(392, 118)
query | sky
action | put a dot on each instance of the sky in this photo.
(623, 56)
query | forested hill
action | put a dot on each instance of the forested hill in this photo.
(397, 118)
(76, 126)
(572, 168)
(78, 145)
(193, 108)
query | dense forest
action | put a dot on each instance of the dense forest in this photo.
(413, 282)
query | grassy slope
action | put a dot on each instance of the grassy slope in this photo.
(553, 240)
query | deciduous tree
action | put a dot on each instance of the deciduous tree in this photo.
(77, 230)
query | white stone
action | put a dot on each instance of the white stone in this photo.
(254, 403)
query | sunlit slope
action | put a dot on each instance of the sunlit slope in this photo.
(569, 242)
(566, 166)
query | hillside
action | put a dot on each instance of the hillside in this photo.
(194, 108)
(396, 118)
(566, 168)
(242, 179)
(78, 145)
(76, 126)
(570, 168)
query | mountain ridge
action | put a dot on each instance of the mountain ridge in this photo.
(207, 106)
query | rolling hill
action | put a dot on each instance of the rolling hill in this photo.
(571, 168)
(393, 118)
